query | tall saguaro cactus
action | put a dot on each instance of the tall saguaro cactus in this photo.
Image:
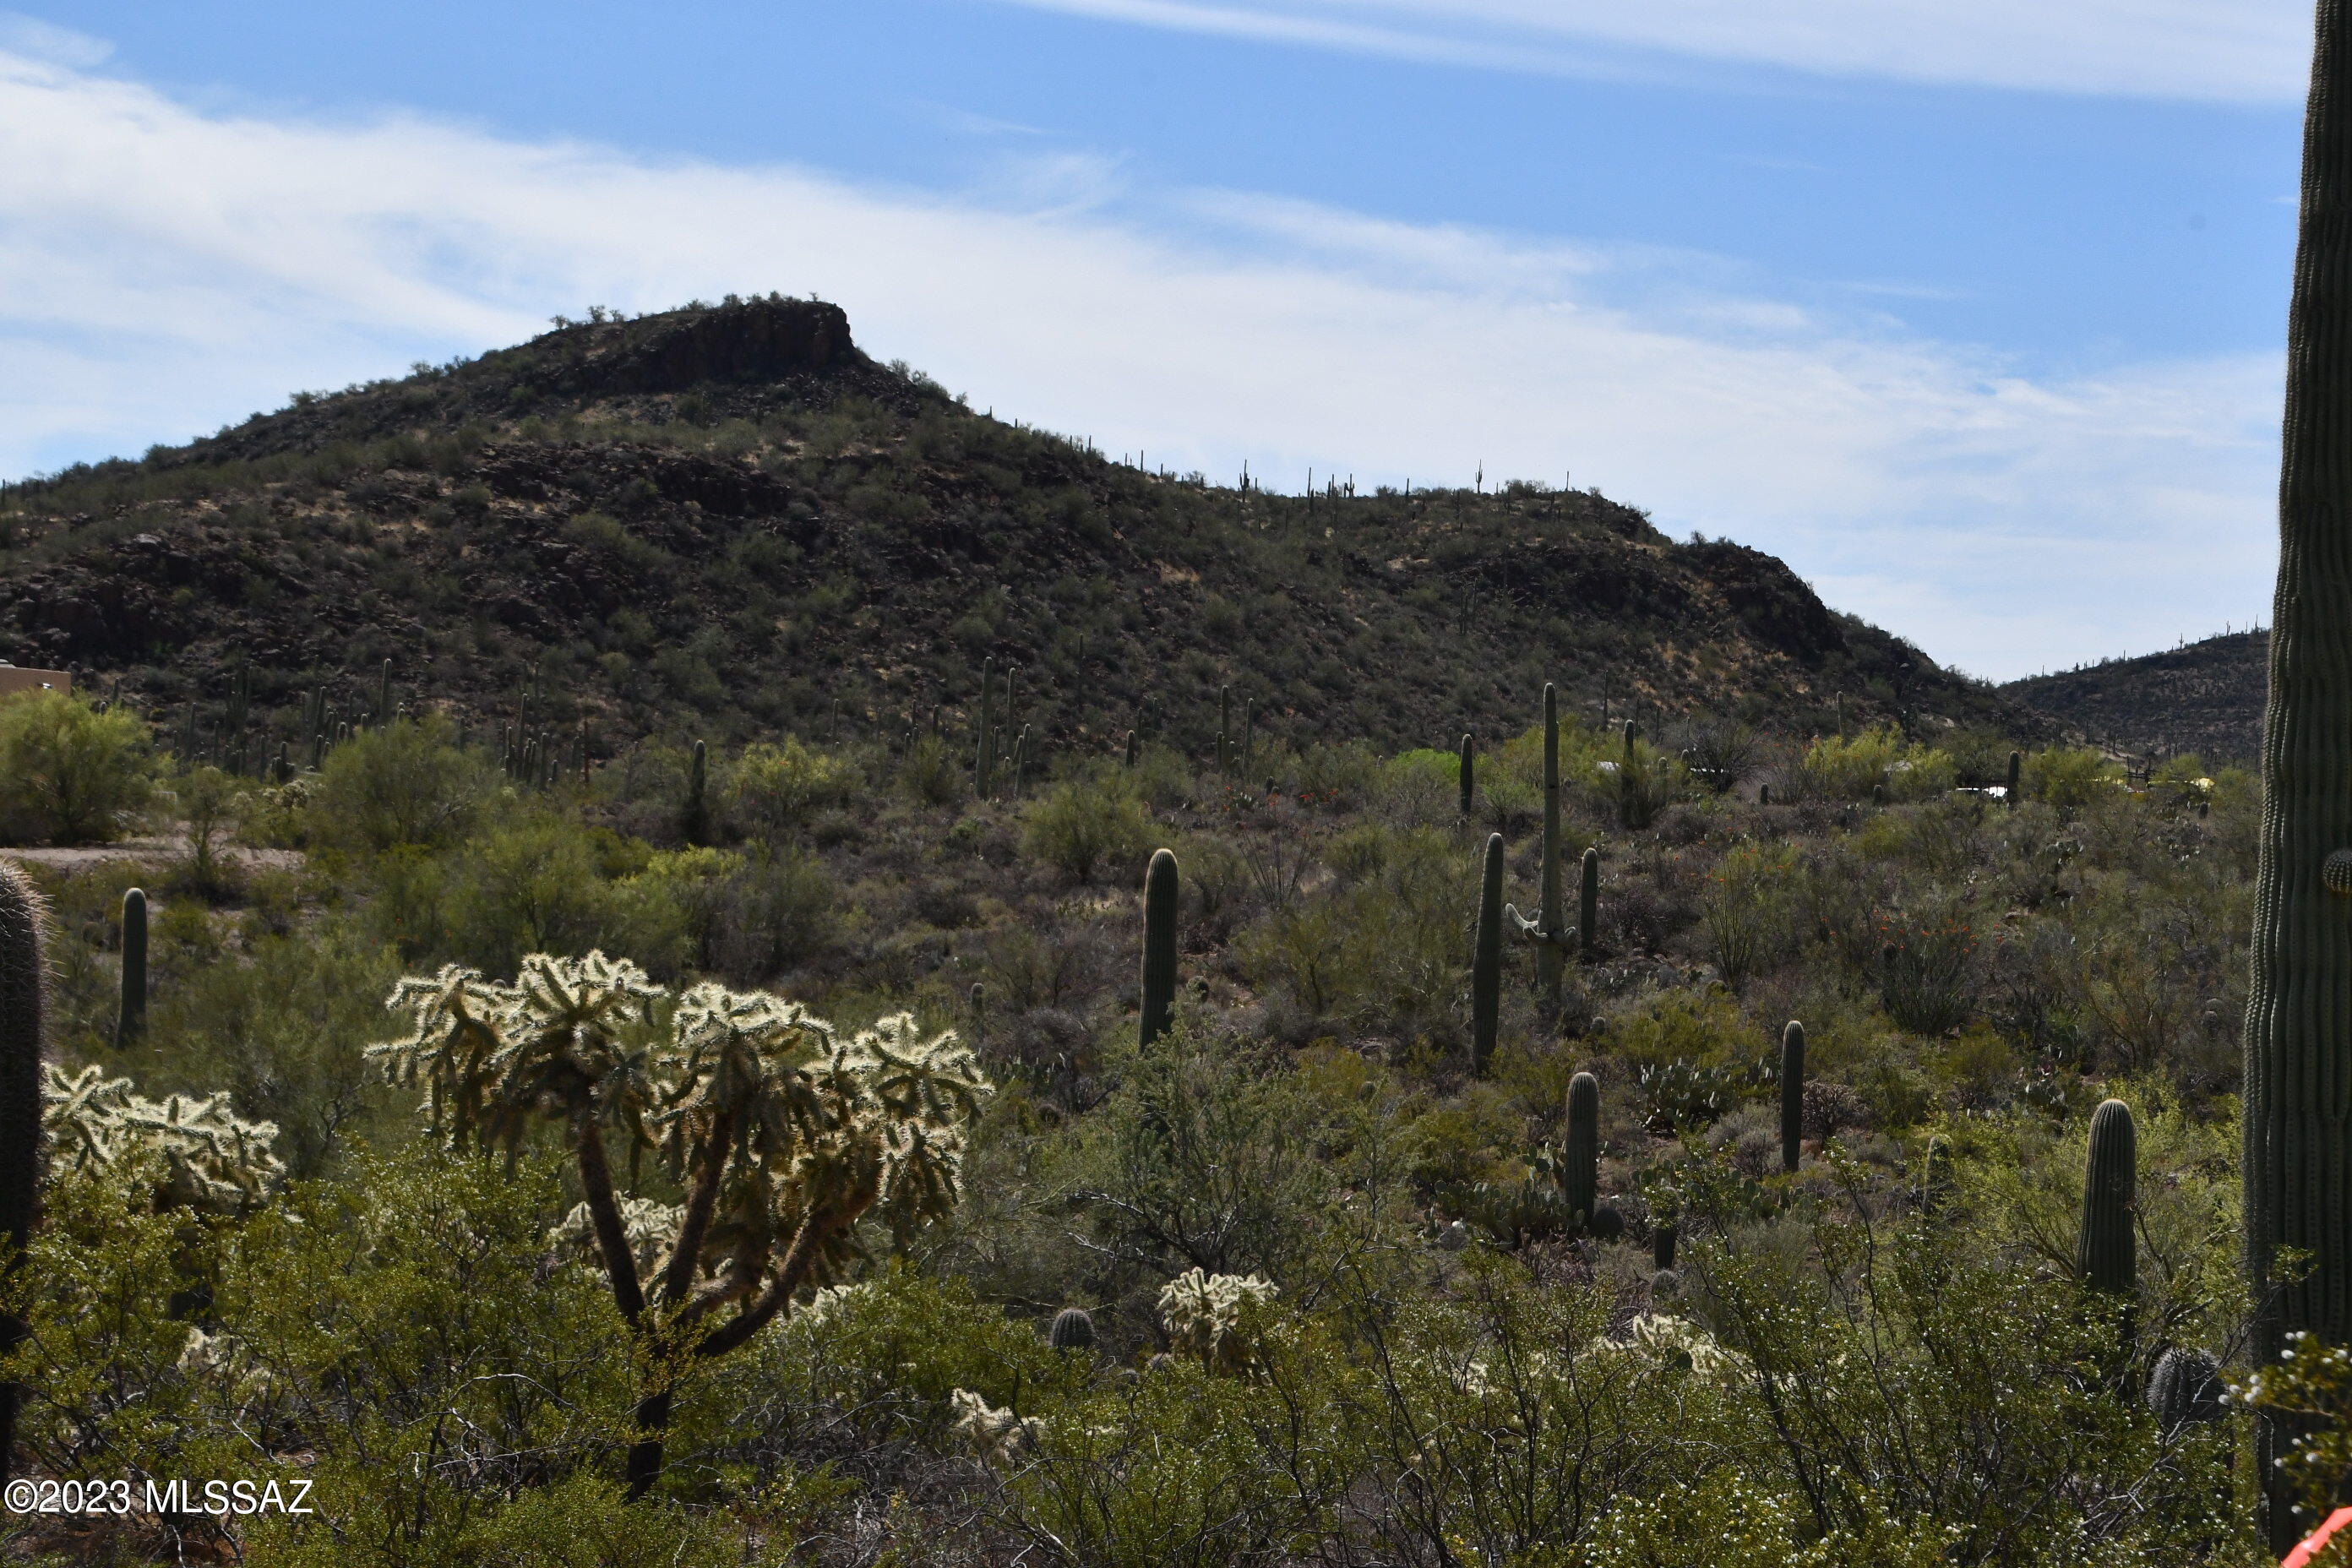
(1159, 889)
(1588, 904)
(131, 1019)
(1486, 960)
(2298, 1037)
(1544, 930)
(1792, 1094)
(1469, 778)
(1580, 1167)
(24, 995)
(984, 758)
(2107, 1251)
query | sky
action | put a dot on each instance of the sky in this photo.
(1973, 313)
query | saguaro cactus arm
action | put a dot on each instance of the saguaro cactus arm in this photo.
(23, 1001)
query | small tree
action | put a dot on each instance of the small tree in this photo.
(783, 1135)
(69, 773)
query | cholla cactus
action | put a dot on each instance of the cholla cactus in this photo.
(211, 1160)
(1678, 1342)
(998, 1437)
(783, 1134)
(1220, 1318)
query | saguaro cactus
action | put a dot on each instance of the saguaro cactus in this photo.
(1160, 889)
(2106, 1252)
(1469, 776)
(2016, 781)
(2185, 1387)
(1486, 960)
(131, 1018)
(2298, 1037)
(694, 821)
(1792, 1094)
(1544, 930)
(1588, 904)
(984, 757)
(1224, 721)
(24, 995)
(1579, 1163)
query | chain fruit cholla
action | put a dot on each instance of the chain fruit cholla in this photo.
(783, 1135)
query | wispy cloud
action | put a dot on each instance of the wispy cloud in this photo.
(163, 270)
(2220, 50)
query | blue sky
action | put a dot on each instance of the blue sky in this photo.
(1972, 314)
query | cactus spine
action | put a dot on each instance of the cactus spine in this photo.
(1580, 1159)
(1159, 888)
(1072, 1329)
(2106, 1252)
(132, 1018)
(1792, 1094)
(1468, 775)
(23, 978)
(1544, 930)
(1486, 960)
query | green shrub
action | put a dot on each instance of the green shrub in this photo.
(2068, 777)
(1096, 823)
(773, 789)
(69, 773)
(405, 783)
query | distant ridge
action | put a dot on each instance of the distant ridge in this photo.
(727, 520)
(2205, 698)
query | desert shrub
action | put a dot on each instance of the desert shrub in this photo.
(1925, 966)
(405, 783)
(1089, 824)
(1838, 767)
(777, 909)
(932, 774)
(772, 789)
(70, 773)
(1747, 911)
(2067, 777)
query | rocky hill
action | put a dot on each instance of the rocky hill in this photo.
(727, 519)
(2205, 698)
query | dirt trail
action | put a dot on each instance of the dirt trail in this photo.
(175, 847)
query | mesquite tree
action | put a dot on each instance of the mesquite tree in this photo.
(2298, 1076)
(781, 1135)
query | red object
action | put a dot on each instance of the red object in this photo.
(2318, 1539)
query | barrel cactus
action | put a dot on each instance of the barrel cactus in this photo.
(1160, 891)
(1792, 1094)
(1072, 1329)
(131, 1017)
(24, 1001)
(2107, 1252)
(2185, 1388)
(1486, 960)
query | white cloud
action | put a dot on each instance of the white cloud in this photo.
(2222, 50)
(164, 270)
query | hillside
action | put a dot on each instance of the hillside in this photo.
(727, 519)
(2205, 698)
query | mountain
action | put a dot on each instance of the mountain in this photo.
(2205, 698)
(727, 519)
